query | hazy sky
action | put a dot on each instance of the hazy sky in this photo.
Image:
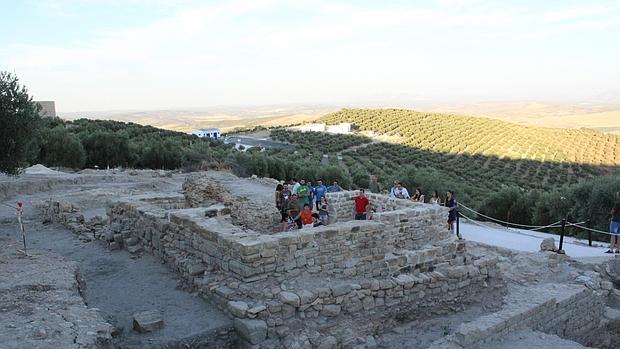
(151, 54)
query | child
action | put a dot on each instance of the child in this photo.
(316, 221)
(323, 212)
(306, 217)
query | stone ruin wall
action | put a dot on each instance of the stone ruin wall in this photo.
(367, 273)
(341, 205)
(201, 191)
(374, 274)
(568, 311)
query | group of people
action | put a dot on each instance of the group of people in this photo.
(304, 204)
(400, 192)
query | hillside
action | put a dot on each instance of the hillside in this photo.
(483, 152)
(594, 115)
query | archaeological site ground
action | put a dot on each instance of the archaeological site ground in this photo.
(154, 259)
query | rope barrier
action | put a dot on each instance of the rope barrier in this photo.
(519, 232)
(504, 222)
(511, 230)
(578, 225)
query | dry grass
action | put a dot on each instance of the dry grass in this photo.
(598, 117)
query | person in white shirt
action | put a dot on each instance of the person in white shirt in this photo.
(399, 191)
(294, 185)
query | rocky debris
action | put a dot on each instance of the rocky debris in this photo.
(39, 169)
(329, 342)
(201, 190)
(41, 306)
(148, 321)
(548, 244)
(253, 331)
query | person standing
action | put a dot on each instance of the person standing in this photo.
(418, 196)
(435, 199)
(451, 204)
(286, 196)
(319, 192)
(393, 189)
(614, 226)
(335, 187)
(361, 205)
(303, 193)
(324, 211)
(293, 210)
(399, 191)
(279, 198)
(294, 185)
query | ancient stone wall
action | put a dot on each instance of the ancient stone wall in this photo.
(342, 204)
(356, 248)
(568, 311)
(358, 265)
(200, 190)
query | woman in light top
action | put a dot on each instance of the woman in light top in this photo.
(418, 196)
(435, 199)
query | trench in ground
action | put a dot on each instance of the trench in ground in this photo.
(119, 285)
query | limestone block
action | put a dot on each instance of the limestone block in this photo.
(238, 308)
(548, 244)
(147, 321)
(135, 249)
(341, 289)
(290, 298)
(253, 331)
(306, 297)
(331, 310)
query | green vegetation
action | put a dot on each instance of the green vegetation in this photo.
(101, 143)
(19, 120)
(518, 173)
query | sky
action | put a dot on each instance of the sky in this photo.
(157, 54)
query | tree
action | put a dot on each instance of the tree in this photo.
(104, 148)
(19, 120)
(61, 148)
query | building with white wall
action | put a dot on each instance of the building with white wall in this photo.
(340, 128)
(207, 133)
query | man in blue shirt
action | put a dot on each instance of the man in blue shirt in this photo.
(334, 187)
(319, 191)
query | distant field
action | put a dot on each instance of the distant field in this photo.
(224, 118)
(598, 117)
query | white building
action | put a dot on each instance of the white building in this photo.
(340, 128)
(312, 128)
(207, 133)
(344, 127)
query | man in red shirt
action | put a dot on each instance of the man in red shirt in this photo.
(361, 206)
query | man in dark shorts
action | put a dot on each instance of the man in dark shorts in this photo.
(361, 205)
(451, 204)
(614, 226)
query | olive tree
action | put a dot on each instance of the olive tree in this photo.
(19, 120)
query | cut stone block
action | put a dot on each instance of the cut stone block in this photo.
(148, 321)
(253, 331)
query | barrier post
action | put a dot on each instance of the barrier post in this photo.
(589, 234)
(562, 236)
